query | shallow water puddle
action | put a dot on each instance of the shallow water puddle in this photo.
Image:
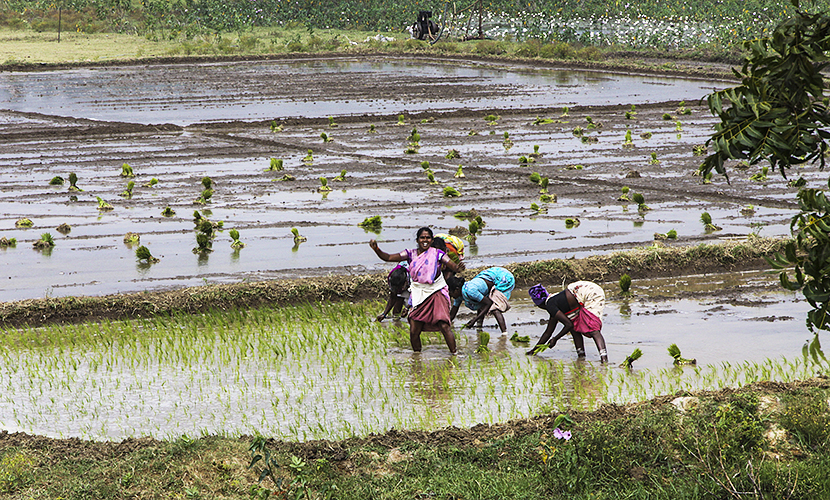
(334, 372)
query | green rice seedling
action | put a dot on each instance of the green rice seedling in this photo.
(324, 185)
(747, 210)
(535, 177)
(414, 136)
(800, 182)
(631, 358)
(706, 219)
(286, 177)
(640, 200)
(8, 242)
(625, 284)
(522, 339)
(372, 129)
(524, 160)
(451, 192)
(452, 154)
(431, 177)
(341, 177)
(535, 152)
(204, 198)
(589, 139)
(45, 241)
(373, 224)
(474, 228)
(132, 238)
(275, 165)
(128, 193)
(143, 254)
(760, 176)
(624, 196)
(127, 171)
(479, 221)
(207, 182)
(539, 349)
(24, 223)
(707, 178)
(571, 222)
(544, 121)
(401, 120)
(653, 160)
(671, 234)
(564, 112)
(276, 127)
(678, 126)
(472, 133)
(578, 131)
(543, 183)
(152, 182)
(491, 119)
(204, 243)
(57, 181)
(682, 109)
(309, 157)
(667, 117)
(483, 340)
(411, 149)
(628, 141)
(332, 123)
(674, 352)
(235, 243)
(547, 198)
(103, 205)
(592, 123)
(425, 165)
(459, 174)
(507, 137)
(538, 209)
(73, 180)
(297, 237)
(629, 115)
(646, 135)
(574, 167)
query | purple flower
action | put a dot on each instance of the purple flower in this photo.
(560, 434)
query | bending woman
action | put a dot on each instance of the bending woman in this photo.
(430, 297)
(487, 293)
(579, 308)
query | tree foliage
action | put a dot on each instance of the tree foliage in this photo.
(779, 113)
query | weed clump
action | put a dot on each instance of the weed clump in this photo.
(23, 223)
(8, 242)
(625, 284)
(64, 229)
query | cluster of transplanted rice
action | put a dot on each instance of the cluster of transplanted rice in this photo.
(297, 373)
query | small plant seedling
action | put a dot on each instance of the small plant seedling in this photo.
(539, 349)
(466, 214)
(276, 127)
(309, 158)
(401, 120)
(341, 177)
(73, 180)
(474, 227)
(706, 219)
(748, 210)
(507, 137)
(204, 242)
(674, 352)
(452, 154)
(629, 115)
(275, 166)
(207, 182)
(431, 177)
(297, 237)
(578, 131)
(324, 185)
(325, 137)
(128, 192)
(103, 205)
(624, 196)
(64, 229)
(535, 153)
(547, 198)
(535, 177)
(57, 181)
(634, 356)
(414, 136)
(682, 109)
(411, 149)
(152, 182)
(332, 123)
(591, 123)
(671, 234)
(524, 160)
(646, 135)
(625, 284)
(286, 177)
(168, 212)
(574, 167)
(45, 241)
(24, 222)
(571, 222)
(451, 192)
(628, 140)
(8, 242)
(587, 139)
(483, 340)
(760, 176)
(653, 160)
(538, 209)
(522, 339)
(472, 133)
(491, 119)
(543, 183)
(544, 121)
(127, 171)
(459, 174)
(425, 165)
(640, 200)
(372, 129)
(204, 198)
(132, 238)
(373, 224)
(800, 182)
(678, 127)
(667, 117)
(235, 243)
(564, 112)
(143, 254)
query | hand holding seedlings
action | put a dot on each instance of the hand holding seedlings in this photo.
(487, 293)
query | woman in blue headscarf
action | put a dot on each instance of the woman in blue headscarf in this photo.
(487, 293)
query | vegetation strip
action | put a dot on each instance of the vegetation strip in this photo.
(653, 261)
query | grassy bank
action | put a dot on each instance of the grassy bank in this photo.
(645, 262)
(767, 440)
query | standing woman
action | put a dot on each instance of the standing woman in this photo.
(579, 308)
(430, 297)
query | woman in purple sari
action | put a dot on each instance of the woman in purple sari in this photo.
(430, 297)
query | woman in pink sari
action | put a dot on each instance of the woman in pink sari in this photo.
(430, 298)
(579, 308)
